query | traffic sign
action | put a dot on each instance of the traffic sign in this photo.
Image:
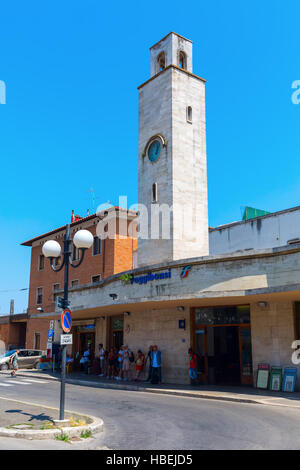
(62, 303)
(66, 339)
(50, 333)
(66, 320)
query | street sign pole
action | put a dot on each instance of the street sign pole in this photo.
(67, 253)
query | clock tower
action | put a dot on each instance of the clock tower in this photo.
(173, 219)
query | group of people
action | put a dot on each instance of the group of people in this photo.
(123, 364)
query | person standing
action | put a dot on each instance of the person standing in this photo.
(14, 361)
(126, 362)
(131, 364)
(156, 365)
(139, 364)
(85, 359)
(120, 363)
(150, 365)
(193, 366)
(111, 364)
(101, 359)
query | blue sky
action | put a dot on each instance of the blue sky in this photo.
(72, 69)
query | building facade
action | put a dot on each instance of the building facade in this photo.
(237, 302)
(106, 258)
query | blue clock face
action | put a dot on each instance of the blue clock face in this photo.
(154, 151)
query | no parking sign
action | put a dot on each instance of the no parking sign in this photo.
(66, 320)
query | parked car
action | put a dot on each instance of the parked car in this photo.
(28, 359)
(4, 359)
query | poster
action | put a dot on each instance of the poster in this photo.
(276, 378)
(263, 373)
(289, 379)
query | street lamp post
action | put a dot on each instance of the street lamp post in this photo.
(83, 239)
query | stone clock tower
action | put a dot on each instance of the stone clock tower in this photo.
(172, 157)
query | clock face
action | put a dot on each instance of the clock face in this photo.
(154, 151)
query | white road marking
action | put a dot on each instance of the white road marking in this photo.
(5, 385)
(13, 381)
(36, 381)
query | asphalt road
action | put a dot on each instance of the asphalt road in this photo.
(139, 420)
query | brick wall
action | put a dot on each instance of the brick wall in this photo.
(35, 325)
(116, 256)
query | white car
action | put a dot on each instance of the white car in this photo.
(28, 359)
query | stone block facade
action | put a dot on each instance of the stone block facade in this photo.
(272, 333)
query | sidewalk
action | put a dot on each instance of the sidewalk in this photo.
(240, 394)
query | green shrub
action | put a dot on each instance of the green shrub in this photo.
(86, 434)
(62, 437)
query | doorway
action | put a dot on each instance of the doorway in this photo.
(116, 332)
(223, 345)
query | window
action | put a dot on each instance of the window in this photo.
(75, 253)
(182, 60)
(97, 246)
(41, 262)
(154, 193)
(39, 295)
(23, 353)
(37, 344)
(96, 279)
(56, 287)
(161, 62)
(75, 283)
(57, 261)
(189, 114)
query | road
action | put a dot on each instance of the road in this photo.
(140, 420)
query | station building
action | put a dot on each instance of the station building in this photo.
(231, 292)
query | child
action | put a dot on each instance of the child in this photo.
(139, 364)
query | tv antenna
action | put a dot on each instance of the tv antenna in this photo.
(92, 191)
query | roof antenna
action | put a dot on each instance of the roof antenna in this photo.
(92, 191)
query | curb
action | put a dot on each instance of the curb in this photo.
(96, 426)
(181, 393)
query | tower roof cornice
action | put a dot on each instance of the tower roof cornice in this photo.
(171, 32)
(173, 67)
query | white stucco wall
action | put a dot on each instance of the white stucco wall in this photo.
(270, 231)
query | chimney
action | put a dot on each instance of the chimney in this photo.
(87, 213)
(72, 218)
(12, 307)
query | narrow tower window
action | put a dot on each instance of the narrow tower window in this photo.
(189, 114)
(182, 60)
(154, 193)
(161, 62)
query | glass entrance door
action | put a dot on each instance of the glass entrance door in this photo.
(246, 355)
(201, 351)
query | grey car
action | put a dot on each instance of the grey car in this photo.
(28, 359)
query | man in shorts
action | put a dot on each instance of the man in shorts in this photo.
(14, 361)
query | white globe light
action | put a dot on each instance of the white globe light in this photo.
(83, 239)
(51, 249)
